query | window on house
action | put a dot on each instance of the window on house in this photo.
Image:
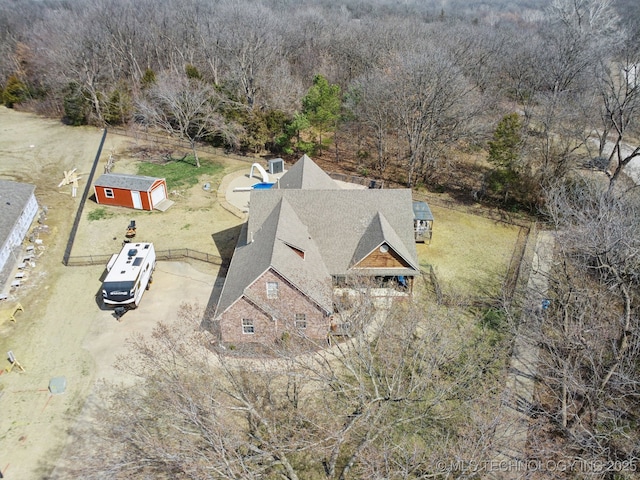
(300, 321)
(272, 289)
(108, 193)
(247, 326)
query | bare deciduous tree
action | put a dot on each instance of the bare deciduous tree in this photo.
(371, 104)
(249, 44)
(71, 47)
(188, 107)
(591, 347)
(619, 89)
(431, 101)
(392, 401)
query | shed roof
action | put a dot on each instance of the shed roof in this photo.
(14, 197)
(126, 181)
(421, 211)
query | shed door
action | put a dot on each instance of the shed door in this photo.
(137, 202)
(157, 195)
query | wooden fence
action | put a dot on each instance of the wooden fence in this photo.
(367, 182)
(171, 254)
(171, 142)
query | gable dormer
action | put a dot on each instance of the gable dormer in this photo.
(296, 250)
(381, 247)
(382, 257)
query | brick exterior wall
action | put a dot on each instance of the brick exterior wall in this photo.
(280, 316)
(231, 324)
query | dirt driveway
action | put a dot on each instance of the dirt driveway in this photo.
(63, 332)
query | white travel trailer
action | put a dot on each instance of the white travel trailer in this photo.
(129, 275)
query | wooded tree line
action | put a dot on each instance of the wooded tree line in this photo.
(400, 399)
(589, 373)
(410, 85)
(403, 88)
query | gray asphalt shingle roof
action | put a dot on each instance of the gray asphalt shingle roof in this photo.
(334, 228)
(306, 174)
(14, 197)
(271, 246)
(378, 232)
(125, 181)
(338, 219)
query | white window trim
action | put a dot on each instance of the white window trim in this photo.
(272, 290)
(248, 327)
(108, 193)
(300, 318)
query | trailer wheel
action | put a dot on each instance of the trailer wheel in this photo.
(149, 283)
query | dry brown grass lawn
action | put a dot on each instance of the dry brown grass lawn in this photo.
(197, 220)
(64, 332)
(470, 254)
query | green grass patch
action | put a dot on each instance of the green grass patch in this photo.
(493, 319)
(99, 214)
(180, 172)
(469, 254)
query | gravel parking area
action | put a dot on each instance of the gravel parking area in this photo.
(64, 331)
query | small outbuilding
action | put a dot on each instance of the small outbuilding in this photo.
(422, 222)
(18, 208)
(133, 191)
(276, 165)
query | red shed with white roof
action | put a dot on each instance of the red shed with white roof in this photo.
(133, 191)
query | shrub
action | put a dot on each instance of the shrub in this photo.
(148, 79)
(15, 91)
(76, 106)
(192, 72)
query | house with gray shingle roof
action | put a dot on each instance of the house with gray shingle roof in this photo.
(306, 174)
(303, 240)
